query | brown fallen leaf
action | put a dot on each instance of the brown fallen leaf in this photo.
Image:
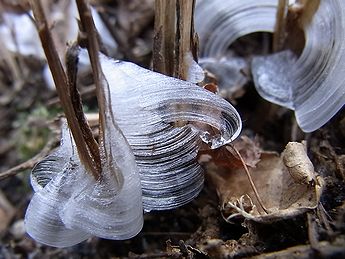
(282, 195)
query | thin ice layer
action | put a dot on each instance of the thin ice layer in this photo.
(52, 180)
(219, 23)
(70, 205)
(42, 220)
(146, 106)
(314, 83)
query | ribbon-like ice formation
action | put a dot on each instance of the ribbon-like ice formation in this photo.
(311, 84)
(154, 158)
(219, 24)
(146, 105)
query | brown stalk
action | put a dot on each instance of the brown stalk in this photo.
(279, 34)
(184, 39)
(72, 71)
(89, 160)
(164, 37)
(250, 179)
(88, 28)
(174, 37)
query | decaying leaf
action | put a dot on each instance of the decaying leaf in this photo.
(285, 191)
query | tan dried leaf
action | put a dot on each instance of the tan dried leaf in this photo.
(283, 195)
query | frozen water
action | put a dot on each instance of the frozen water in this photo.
(312, 84)
(148, 106)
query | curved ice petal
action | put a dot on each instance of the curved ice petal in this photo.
(42, 220)
(219, 23)
(274, 88)
(54, 163)
(315, 80)
(146, 105)
(228, 72)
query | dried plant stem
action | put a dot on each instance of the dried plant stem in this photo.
(174, 37)
(102, 88)
(250, 179)
(185, 37)
(312, 230)
(91, 162)
(89, 30)
(280, 26)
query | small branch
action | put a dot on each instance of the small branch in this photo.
(102, 88)
(250, 179)
(89, 30)
(72, 71)
(312, 231)
(61, 83)
(32, 161)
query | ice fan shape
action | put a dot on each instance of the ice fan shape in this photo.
(146, 106)
(69, 205)
(312, 84)
(219, 23)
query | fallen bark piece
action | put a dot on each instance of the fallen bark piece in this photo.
(282, 194)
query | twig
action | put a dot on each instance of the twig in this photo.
(85, 93)
(102, 88)
(32, 161)
(164, 37)
(250, 179)
(72, 70)
(61, 82)
(184, 40)
(89, 30)
(312, 231)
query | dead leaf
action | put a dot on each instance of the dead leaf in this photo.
(283, 195)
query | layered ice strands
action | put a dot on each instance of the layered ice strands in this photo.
(69, 204)
(312, 84)
(165, 120)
